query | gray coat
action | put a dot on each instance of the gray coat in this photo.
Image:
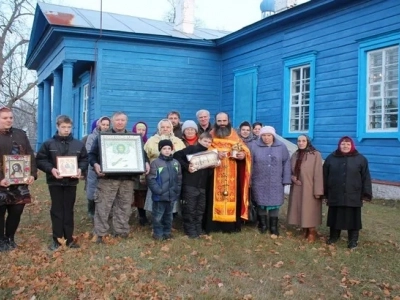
(91, 178)
(271, 171)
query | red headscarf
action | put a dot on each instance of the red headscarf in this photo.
(349, 140)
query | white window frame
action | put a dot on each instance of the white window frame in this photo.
(303, 101)
(85, 108)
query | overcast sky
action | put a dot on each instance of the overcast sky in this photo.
(216, 14)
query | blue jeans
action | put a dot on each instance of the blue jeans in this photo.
(162, 218)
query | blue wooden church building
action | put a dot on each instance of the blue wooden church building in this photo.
(327, 68)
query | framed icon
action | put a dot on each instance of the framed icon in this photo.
(67, 166)
(17, 168)
(121, 153)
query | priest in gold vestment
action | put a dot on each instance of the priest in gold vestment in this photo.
(228, 195)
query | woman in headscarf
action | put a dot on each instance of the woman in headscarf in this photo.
(305, 205)
(140, 187)
(347, 184)
(102, 124)
(164, 132)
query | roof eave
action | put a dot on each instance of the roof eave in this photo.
(37, 50)
(95, 33)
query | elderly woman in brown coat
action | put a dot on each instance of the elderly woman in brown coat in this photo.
(305, 205)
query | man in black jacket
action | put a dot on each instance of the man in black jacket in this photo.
(113, 190)
(62, 187)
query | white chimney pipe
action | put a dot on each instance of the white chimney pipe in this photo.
(184, 18)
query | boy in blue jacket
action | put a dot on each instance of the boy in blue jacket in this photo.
(164, 181)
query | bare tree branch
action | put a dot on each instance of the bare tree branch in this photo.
(17, 84)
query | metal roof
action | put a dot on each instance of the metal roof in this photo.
(85, 18)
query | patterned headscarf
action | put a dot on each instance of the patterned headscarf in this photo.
(144, 137)
(301, 153)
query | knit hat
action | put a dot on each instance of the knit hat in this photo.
(189, 124)
(163, 143)
(268, 130)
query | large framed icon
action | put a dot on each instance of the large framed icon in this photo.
(121, 153)
(17, 168)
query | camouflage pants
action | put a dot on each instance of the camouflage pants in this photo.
(109, 193)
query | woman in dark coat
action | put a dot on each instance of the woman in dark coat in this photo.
(13, 197)
(347, 183)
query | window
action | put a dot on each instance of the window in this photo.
(300, 98)
(383, 89)
(378, 97)
(85, 109)
(298, 106)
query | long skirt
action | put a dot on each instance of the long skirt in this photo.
(344, 218)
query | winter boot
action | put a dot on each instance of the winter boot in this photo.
(273, 225)
(4, 246)
(352, 239)
(334, 235)
(262, 220)
(11, 243)
(91, 208)
(143, 221)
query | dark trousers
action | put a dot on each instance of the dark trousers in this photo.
(162, 218)
(10, 224)
(62, 211)
(193, 208)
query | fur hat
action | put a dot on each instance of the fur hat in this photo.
(163, 143)
(268, 130)
(189, 124)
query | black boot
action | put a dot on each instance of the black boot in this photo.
(4, 246)
(262, 225)
(11, 243)
(352, 239)
(334, 235)
(262, 220)
(142, 217)
(273, 225)
(91, 208)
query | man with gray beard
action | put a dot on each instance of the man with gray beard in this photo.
(228, 196)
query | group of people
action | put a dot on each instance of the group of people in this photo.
(246, 185)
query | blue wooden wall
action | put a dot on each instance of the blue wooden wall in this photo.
(148, 81)
(335, 36)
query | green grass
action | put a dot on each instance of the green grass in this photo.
(246, 265)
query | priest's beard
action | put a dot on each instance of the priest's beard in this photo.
(222, 132)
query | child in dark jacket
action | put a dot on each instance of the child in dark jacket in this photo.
(194, 185)
(164, 181)
(62, 189)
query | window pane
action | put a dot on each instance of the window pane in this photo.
(300, 98)
(383, 91)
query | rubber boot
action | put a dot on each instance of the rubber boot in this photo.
(262, 220)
